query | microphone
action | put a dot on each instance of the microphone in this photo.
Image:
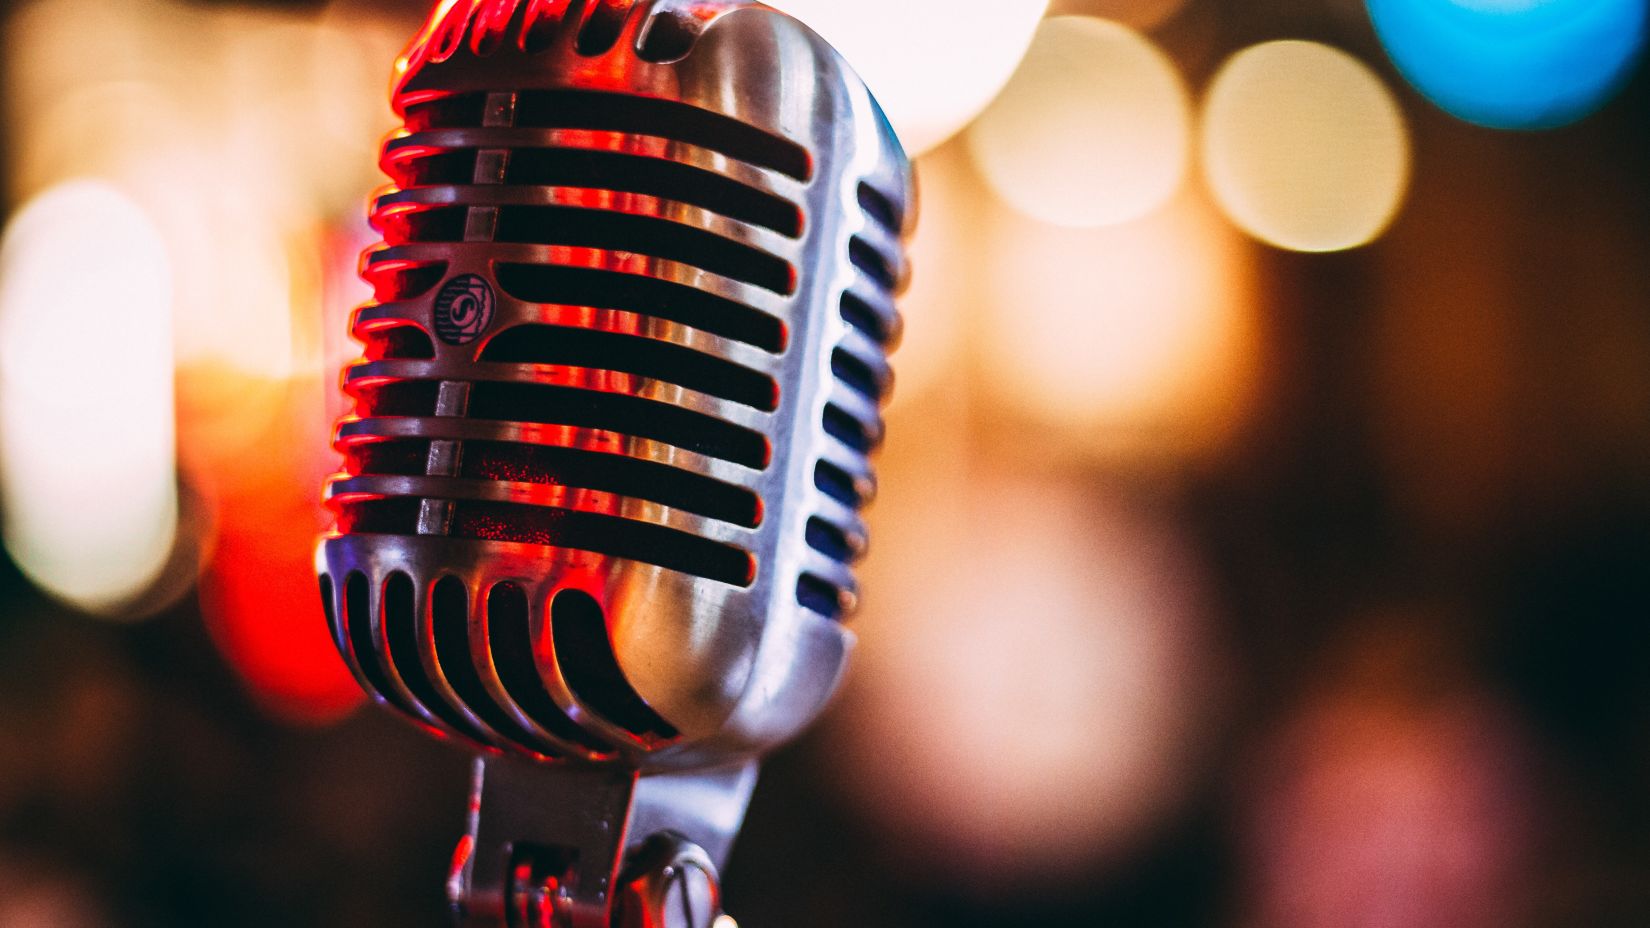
(622, 373)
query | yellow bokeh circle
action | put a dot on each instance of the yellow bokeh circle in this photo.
(1093, 130)
(1304, 146)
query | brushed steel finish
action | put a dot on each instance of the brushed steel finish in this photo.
(674, 190)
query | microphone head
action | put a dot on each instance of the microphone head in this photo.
(623, 370)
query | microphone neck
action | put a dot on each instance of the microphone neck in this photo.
(612, 848)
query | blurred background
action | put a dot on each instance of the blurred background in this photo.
(1265, 533)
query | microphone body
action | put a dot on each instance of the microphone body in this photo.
(623, 370)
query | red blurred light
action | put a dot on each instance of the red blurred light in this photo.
(261, 604)
(258, 593)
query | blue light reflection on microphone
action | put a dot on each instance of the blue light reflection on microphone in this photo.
(1513, 64)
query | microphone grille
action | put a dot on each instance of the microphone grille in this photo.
(599, 379)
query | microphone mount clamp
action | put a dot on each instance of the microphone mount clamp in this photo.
(611, 848)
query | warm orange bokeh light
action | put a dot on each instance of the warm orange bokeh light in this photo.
(258, 592)
(239, 140)
(1093, 130)
(1047, 651)
(1305, 147)
(1133, 341)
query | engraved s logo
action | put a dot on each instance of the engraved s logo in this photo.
(464, 309)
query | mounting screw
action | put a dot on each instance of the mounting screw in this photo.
(674, 886)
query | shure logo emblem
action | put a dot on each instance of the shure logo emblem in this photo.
(464, 309)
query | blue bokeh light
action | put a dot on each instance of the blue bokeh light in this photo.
(1513, 64)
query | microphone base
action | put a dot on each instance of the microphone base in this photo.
(595, 847)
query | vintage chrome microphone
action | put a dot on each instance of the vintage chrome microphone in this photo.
(602, 482)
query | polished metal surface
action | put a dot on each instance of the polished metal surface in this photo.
(588, 846)
(623, 372)
(673, 886)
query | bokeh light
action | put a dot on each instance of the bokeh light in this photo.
(1513, 64)
(240, 143)
(1093, 129)
(1304, 146)
(1134, 341)
(1045, 646)
(1391, 802)
(936, 308)
(1139, 14)
(258, 595)
(32, 896)
(932, 64)
(87, 467)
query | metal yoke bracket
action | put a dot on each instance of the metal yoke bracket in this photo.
(595, 847)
